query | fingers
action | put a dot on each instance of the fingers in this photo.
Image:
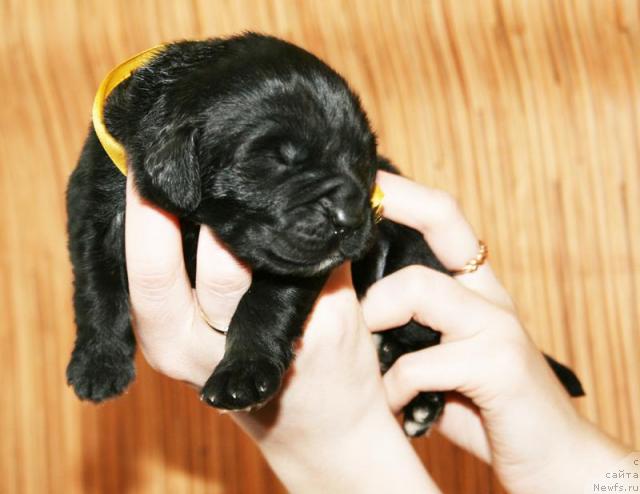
(159, 288)
(430, 298)
(172, 336)
(437, 368)
(436, 215)
(221, 280)
(433, 213)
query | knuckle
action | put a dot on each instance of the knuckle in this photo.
(224, 280)
(508, 356)
(151, 277)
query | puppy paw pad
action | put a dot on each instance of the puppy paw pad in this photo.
(421, 414)
(242, 384)
(414, 429)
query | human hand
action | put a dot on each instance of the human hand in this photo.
(330, 428)
(511, 410)
(174, 338)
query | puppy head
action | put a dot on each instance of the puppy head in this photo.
(268, 146)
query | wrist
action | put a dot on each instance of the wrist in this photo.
(580, 452)
(371, 456)
(595, 452)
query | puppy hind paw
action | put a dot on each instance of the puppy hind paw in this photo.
(421, 413)
(99, 374)
(242, 385)
(414, 429)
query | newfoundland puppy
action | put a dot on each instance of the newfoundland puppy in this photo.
(262, 142)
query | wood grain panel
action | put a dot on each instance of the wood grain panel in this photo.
(527, 111)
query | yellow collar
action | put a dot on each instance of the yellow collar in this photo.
(115, 150)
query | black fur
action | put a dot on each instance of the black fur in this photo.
(265, 144)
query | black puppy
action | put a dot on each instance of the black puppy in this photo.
(265, 144)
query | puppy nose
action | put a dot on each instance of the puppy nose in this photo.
(345, 218)
(347, 207)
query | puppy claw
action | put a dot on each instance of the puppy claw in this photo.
(210, 399)
(242, 385)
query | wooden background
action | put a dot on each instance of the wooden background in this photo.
(527, 111)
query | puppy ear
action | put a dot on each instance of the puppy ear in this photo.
(172, 167)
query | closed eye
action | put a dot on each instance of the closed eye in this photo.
(292, 153)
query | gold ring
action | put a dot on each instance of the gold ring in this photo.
(206, 319)
(474, 263)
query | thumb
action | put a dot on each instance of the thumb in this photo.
(445, 367)
(428, 297)
(159, 288)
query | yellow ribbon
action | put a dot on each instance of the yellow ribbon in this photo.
(115, 150)
(376, 202)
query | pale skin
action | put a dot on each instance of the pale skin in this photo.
(332, 428)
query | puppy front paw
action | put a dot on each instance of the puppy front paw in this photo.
(421, 413)
(242, 384)
(98, 372)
